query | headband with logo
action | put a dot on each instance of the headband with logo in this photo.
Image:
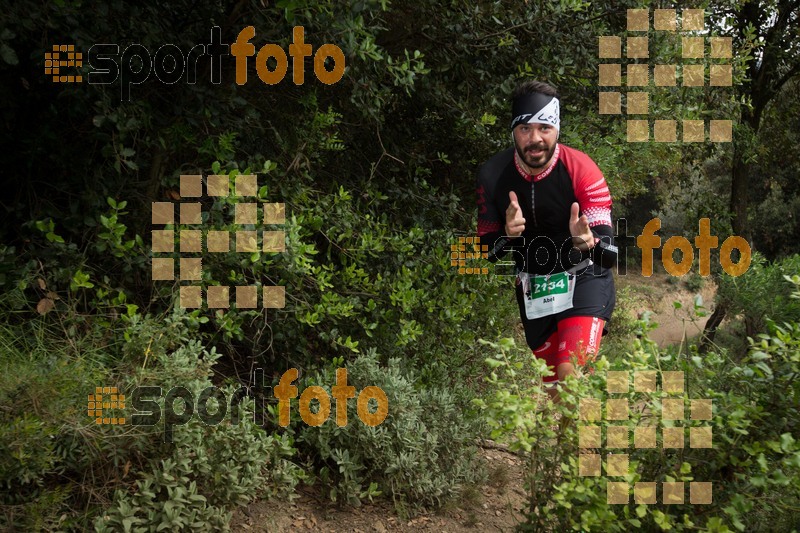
(535, 108)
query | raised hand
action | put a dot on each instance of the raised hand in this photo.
(582, 237)
(515, 224)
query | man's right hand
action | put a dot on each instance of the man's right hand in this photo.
(515, 224)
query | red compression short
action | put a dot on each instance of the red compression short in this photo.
(578, 335)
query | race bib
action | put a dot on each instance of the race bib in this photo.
(547, 295)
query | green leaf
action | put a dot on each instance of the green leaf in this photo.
(786, 442)
(780, 478)
(8, 54)
(493, 363)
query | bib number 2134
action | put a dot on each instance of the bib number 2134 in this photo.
(547, 295)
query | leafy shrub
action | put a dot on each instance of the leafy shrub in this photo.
(761, 293)
(754, 464)
(623, 326)
(694, 282)
(193, 481)
(422, 454)
(45, 437)
(210, 470)
(58, 470)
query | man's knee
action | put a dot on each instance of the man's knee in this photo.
(563, 370)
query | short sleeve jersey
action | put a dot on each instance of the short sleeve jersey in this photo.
(546, 199)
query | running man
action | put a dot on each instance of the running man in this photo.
(549, 205)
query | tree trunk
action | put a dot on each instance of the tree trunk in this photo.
(739, 195)
(741, 182)
(711, 327)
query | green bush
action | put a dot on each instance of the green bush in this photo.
(761, 293)
(624, 325)
(195, 479)
(46, 439)
(210, 471)
(754, 464)
(58, 469)
(422, 455)
(694, 282)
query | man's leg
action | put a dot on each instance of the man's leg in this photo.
(548, 351)
(579, 336)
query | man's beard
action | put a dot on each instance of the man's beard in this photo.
(539, 160)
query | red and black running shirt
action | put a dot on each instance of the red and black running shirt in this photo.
(545, 200)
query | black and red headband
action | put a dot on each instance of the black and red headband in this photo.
(535, 108)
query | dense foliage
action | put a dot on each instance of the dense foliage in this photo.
(376, 172)
(754, 465)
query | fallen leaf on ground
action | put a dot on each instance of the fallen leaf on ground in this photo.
(45, 305)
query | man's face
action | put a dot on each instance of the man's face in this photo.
(535, 144)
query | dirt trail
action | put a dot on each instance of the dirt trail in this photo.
(657, 293)
(494, 507)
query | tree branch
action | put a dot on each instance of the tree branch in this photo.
(794, 71)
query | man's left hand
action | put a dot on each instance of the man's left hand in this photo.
(582, 237)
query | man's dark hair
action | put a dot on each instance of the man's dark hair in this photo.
(534, 86)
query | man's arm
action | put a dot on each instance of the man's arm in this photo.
(495, 229)
(489, 228)
(593, 230)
